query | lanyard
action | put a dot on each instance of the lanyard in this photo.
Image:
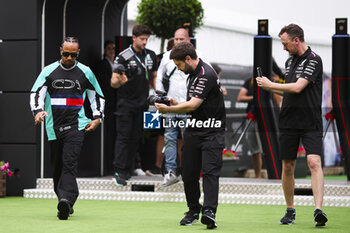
(139, 60)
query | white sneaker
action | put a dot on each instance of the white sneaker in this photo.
(169, 179)
(139, 172)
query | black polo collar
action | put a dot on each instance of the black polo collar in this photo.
(198, 68)
(143, 52)
(305, 54)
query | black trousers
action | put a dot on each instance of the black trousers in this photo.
(202, 154)
(129, 133)
(64, 161)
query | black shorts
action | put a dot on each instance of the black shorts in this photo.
(290, 140)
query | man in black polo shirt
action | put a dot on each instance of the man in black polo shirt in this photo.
(204, 135)
(300, 117)
(134, 69)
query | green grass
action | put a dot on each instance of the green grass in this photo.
(18, 214)
(330, 177)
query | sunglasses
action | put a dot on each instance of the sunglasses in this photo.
(67, 54)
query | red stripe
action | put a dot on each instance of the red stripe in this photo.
(267, 135)
(340, 78)
(78, 102)
(342, 115)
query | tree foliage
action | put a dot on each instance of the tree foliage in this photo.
(163, 17)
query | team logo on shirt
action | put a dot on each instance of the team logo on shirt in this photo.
(67, 101)
(65, 84)
(149, 62)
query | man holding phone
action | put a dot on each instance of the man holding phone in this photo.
(300, 118)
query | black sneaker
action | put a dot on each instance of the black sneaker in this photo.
(208, 218)
(154, 172)
(190, 218)
(119, 179)
(128, 176)
(64, 209)
(289, 217)
(320, 218)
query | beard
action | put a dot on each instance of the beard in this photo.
(140, 47)
(68, 63)
(292, 52)
(188, 69)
